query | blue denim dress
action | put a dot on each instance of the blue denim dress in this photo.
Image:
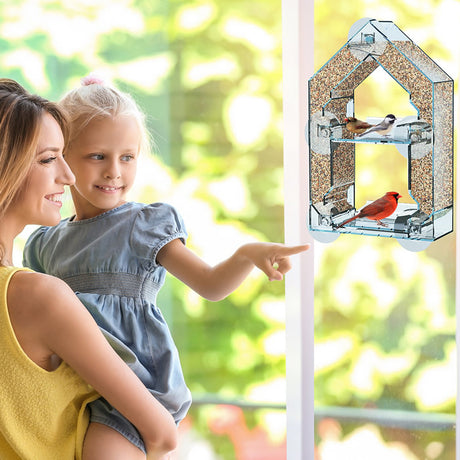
(110, 262)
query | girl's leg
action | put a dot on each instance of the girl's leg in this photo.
(104, 443)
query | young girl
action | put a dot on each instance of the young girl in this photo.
(114, 253)
(50, 346)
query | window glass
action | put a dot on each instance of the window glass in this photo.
(385, 350)
(208, 75)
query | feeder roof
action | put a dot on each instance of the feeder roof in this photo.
(369, 38)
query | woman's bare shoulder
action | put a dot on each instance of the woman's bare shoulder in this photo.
(35, 280)
(38, 306)
(36, 290)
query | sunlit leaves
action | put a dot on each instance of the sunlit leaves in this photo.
(147, 73)
(198, 71)
(247, 118)
(251, 34)
(361, 442)
(379, 315)
(195, 16)
(434, 385)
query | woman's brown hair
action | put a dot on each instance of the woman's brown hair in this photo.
(20, 122)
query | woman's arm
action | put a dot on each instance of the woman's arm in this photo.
(215, 283)
(64, 327)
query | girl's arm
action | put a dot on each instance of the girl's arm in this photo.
(216, 283)
(67, 329)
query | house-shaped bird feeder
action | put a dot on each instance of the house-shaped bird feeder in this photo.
(426, 140)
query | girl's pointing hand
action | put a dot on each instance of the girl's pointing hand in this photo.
(272, 258)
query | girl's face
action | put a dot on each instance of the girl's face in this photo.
(104, 160)
(40, 199)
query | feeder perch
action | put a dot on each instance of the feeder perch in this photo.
(425, 140)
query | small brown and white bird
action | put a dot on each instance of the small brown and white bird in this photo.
(356, 126)
(378, 209)
(384, 127)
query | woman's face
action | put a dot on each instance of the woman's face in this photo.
(40, 199)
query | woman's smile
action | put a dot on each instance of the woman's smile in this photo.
(55, 198)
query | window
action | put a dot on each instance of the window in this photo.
(384, 318)
(208, 75)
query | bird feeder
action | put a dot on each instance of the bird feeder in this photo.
(425, 139)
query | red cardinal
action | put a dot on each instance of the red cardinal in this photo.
(356, 126)
(378, 209)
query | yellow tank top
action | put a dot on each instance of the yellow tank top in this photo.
(43, 414)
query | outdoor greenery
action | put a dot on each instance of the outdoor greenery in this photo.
(208, 74)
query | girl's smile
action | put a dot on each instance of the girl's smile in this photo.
(109, 189)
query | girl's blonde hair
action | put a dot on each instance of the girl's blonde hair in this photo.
(20, 122)
(97, 100)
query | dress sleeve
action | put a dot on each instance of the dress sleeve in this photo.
(32, 250)
(155, 226)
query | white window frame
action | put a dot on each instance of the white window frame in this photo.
(297, 21)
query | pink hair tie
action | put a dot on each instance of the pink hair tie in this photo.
(92, 79)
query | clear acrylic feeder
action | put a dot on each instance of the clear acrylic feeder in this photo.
(425, 140)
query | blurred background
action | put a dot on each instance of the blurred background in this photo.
(208, 75)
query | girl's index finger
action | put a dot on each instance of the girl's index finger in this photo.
(291, 250)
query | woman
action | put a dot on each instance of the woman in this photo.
(51, 348)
